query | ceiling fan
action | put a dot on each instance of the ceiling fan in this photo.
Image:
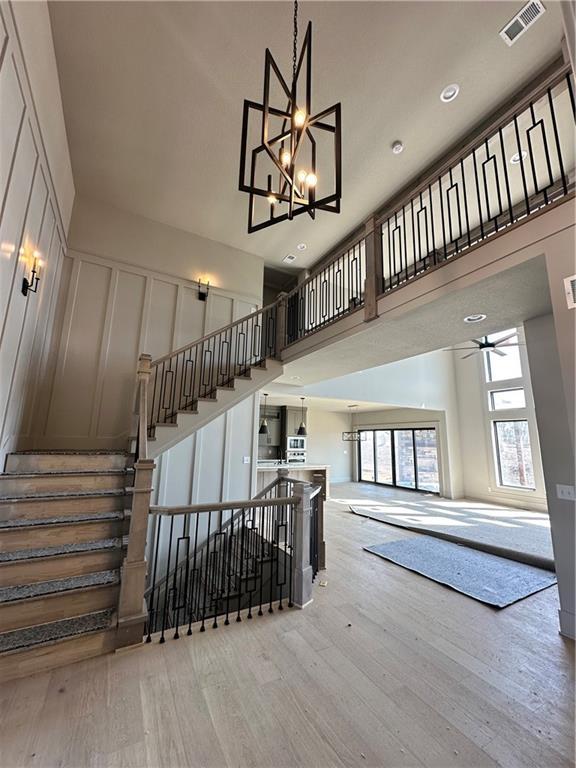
(488, 346)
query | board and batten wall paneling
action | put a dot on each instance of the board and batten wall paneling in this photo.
(30, 221)
(114, 311)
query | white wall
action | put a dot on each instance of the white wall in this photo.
(325, 444)
(35, 36)
(116, 307)
(36, 192)
(480, 479)
(426, 382)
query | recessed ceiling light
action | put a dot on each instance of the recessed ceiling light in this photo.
(397, 147)
(475, 318)
(515, 159)
(450, 92)
(289, 258)
(296, 378)
(301, 246)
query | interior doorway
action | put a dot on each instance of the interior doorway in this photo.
(403, 458)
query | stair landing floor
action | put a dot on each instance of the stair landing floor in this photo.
(383, 668)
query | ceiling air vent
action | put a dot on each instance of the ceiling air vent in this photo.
(570, 288)
(524, 19)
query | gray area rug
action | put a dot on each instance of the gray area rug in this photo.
(514, 533)
(488, 578)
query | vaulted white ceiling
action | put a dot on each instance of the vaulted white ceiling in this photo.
(153, 96)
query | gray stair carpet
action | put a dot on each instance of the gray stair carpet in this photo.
(56, 630)
(67, 452)
(90, 517)
(100, 578)
(57, 495)
(63, 549)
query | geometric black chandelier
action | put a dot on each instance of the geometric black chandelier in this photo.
(292, 158)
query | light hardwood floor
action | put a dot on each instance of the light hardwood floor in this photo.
(385, 668)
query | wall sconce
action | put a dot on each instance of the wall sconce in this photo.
(31, 285)
(203, 289)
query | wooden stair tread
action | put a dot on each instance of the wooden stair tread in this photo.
(58, 586)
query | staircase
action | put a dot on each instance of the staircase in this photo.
(73, 524)
(63, 519)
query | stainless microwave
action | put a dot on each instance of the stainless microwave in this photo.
(295, 443)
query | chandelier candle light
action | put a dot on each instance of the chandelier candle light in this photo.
(283, 167)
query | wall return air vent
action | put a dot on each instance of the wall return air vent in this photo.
(526, 16)
(570, 289)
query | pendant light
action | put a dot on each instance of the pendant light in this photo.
(264, 425)
(282, 173)
(302, 428)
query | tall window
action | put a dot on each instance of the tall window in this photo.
(507, 412)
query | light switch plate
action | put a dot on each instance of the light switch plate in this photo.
(566, 492)
(246, 459)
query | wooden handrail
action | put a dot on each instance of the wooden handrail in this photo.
(212, 334)
(224, 506)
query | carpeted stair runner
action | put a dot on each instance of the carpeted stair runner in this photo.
(63, 549)
(90, 517)
(56, 630)
(98, 578)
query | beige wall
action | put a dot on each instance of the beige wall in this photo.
(35, 36)
(116, 308)
(325, 444)
(398, 418)
(36, 192)
(102, 230)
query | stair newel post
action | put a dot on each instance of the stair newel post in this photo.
(132, 612)
(281, 306)
(373, 282)
(301, 566)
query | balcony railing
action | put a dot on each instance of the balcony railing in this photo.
(512, 170)
(519, 163)
(328, 294)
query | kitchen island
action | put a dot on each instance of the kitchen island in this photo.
(308, 473)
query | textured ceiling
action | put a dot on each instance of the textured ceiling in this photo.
(507, 299)
(153, 98)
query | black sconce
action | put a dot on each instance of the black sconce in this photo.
(31, 286)
(203, 289)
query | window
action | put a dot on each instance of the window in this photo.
(406, 458)
(513, 454)
(384, 460)
(427, 460)
(503, 399)
(367, 456)
(505, 363)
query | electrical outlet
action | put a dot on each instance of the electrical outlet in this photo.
(246, 460)
(566, 492)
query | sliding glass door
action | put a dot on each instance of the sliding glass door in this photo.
(406, 458)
